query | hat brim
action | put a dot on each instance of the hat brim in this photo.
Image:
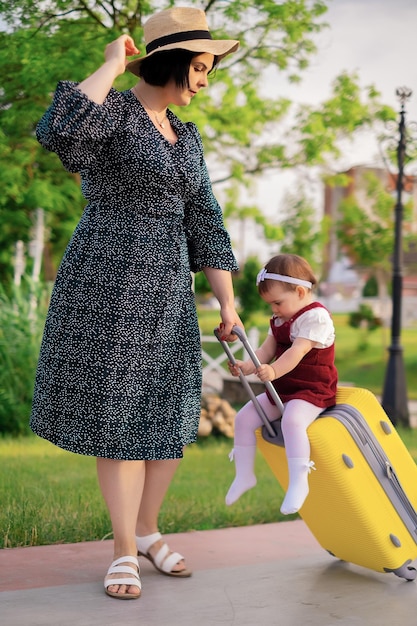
(218, 47)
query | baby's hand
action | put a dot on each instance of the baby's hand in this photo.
(246, 367)
(234, 368)
(265, 372)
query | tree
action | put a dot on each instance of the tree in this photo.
(246, 290)
(305, 233)
(46, 41)
(365, 229)
(248, 214)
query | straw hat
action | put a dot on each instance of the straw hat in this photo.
(181, 27)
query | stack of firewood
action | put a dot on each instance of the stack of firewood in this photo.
(217, 416)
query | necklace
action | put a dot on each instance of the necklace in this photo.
(159, 122)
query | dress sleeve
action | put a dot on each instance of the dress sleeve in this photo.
(76, 128)
(208, 240)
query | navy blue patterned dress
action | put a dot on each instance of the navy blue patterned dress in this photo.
(119, 373)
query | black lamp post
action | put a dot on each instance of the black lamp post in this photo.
(394, 399)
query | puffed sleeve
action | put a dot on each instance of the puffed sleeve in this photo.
(315, 325)
(208, 240)
(76, 128)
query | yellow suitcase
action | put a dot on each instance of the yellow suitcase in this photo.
(362, 503)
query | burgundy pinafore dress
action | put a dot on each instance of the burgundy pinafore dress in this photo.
(314, 379)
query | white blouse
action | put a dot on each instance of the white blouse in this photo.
(315, 325)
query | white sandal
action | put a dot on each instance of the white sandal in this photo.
(118, 567)
(164, 561)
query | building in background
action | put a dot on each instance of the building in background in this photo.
(342, 277)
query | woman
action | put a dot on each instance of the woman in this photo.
(119, 374)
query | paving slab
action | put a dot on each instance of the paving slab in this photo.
(266, 575)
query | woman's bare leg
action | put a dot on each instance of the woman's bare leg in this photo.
(121, 483)
(158, 477)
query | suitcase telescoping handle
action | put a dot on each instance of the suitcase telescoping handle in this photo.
(237, 330)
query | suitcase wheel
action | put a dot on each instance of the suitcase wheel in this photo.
(405, 571)
(412, 573)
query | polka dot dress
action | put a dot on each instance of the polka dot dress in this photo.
(119, 372)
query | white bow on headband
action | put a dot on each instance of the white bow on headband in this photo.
(263, 274)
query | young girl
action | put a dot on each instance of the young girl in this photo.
(298, 356)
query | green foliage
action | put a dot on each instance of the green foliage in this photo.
(304, 233)
(201, 284)
(365, 227)
(364, 317)
(234, 209)
(30, 177)
(21, 322)
(371, 288)
(247, 291)
(365, 320)
(368, 241)
(43, 42)
(348, 110)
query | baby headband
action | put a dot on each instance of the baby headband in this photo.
(263, 274)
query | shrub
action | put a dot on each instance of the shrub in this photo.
(365, 320)
(364, 317)
(21, 324)
(247, 291)
(371, 288)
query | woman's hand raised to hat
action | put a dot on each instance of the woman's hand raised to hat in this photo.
(98, 85)
(117, 51)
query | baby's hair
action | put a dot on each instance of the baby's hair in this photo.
(287, 265)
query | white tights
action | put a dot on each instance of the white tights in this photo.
(296, 418)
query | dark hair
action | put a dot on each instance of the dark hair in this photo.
(287, 265)
(161, 67)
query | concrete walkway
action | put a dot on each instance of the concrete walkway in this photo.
(266, 575)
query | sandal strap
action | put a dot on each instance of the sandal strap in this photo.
(136, 582)
(144, 543)
(119, 567)
(122, 570)
(164, 560)
(173, 559)
(126, 559)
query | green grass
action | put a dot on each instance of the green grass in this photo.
(51, 496)
(48, 495)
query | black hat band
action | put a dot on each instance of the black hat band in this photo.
(177, 38)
